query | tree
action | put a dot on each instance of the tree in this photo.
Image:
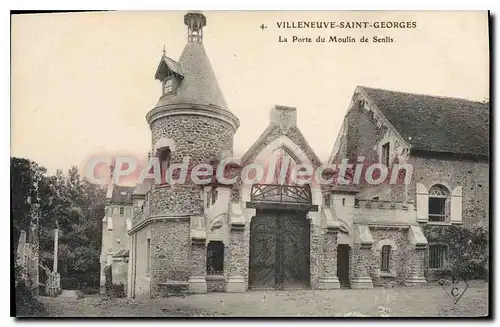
(26, 177)
(66, 202)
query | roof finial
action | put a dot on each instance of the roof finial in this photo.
(164, 50)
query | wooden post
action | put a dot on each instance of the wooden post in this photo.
(56, 243)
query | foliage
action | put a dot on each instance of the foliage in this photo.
(467, 249)
(26, 302)
(66, 202)
(26, 176)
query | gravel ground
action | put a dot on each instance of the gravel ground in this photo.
(429, 301)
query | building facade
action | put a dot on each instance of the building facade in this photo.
(274, 233)
(115, 239)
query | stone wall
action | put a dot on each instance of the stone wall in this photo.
(216, 283)
(185, 199)
(473, 176)
(399, 256)
(170, 252)
(201, 138)
(360, 262)
(238, 257)
(317, 240)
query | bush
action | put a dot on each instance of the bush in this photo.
(26, 303)
(467, 250)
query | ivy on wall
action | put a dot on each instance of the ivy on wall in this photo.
(467, 249)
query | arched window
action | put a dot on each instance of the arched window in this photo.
(215, 258)
(439, 203)
(385, 258)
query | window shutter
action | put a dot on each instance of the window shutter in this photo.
(456, 205)
(422, 203)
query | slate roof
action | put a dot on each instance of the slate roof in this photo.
(199, 85)
(122, 194)
(436, 124)
(144, 187)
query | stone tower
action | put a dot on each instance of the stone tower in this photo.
(191, 119)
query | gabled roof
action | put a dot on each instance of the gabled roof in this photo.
(167, 64)
(122, 194)
(271, 133)
(436, 124)
(199, 85)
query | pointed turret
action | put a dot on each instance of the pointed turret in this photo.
(192, 79)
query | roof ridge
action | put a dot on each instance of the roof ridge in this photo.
(423, 94)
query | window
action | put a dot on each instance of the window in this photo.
(122, 210)
(214, 195)
(148, 257)
(343, 201)
(211, 197)
(215, 258)
(438, 203)
(168, 86)
(386, 154)
(386, 255)
(438, 255)
(164, 157)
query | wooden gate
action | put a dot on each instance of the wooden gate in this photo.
(279, 250)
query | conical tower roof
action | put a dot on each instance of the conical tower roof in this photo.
(198, 83)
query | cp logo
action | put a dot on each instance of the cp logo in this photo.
(454, 287)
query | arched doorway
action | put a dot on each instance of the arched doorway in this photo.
(280, 237)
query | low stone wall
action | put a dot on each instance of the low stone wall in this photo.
(216, 283)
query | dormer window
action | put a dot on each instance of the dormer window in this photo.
(168, 86)
(169, 73)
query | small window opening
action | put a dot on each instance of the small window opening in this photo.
(164, 157)
(386, 254)
(215, 258)
(168, 86)
(148, 257)
(385, 154)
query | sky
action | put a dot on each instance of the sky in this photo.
(82, 83)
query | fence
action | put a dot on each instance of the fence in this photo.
(52, 282)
